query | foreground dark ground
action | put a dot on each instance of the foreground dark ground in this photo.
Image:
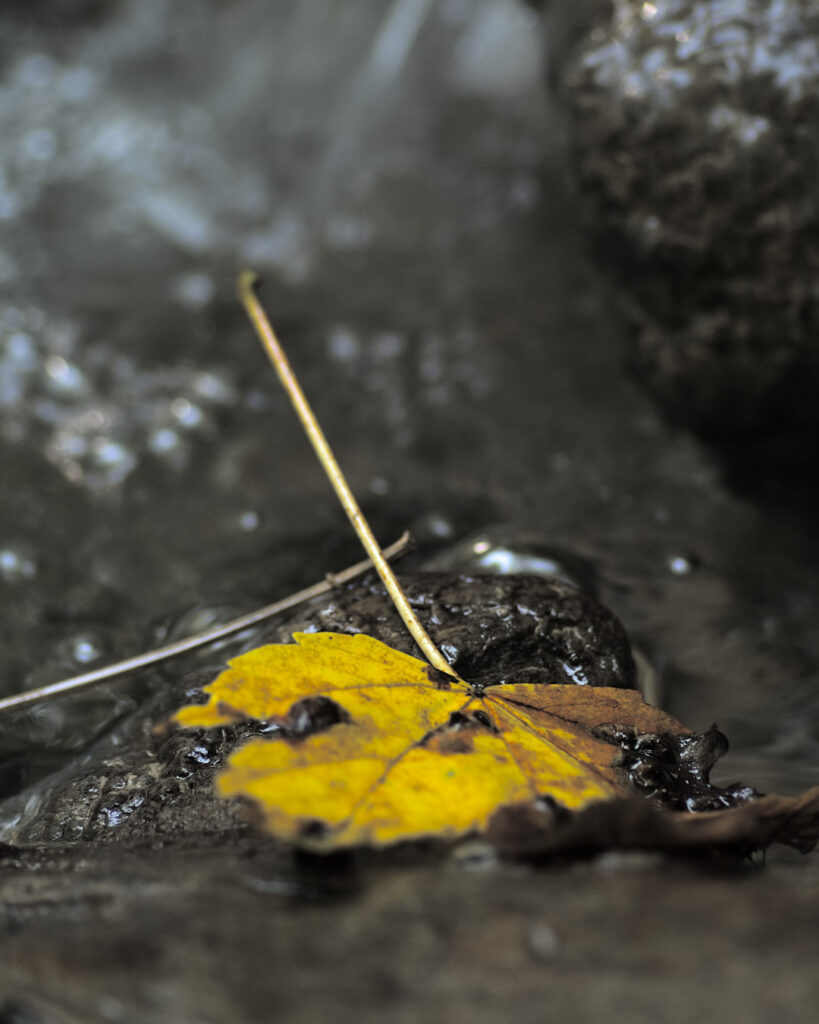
(421, 260)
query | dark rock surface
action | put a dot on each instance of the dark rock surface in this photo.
(693, 137)
(140, 784)
(491, 629)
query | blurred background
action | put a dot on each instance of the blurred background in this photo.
(471, 235)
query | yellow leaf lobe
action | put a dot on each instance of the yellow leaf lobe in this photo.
(414, 753)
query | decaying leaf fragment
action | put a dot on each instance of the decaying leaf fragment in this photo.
(413, 752)
(533, 832)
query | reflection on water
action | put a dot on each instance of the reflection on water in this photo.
(506, 550)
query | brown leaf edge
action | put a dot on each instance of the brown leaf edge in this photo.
(542, 830)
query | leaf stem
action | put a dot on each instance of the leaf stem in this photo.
(267, 336)
(190, 643)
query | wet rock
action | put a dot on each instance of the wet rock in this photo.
(692, 130)
(145, 783)
(674, 770)
(492, 629)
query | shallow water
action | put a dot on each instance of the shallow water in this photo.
(394, 171)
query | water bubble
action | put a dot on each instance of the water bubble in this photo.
(164, 441)
(45, 410)
(40, 144)
(342, 345)
(188, 414)
(524, 191)
(348, 232)
(388, 345)
(36, 70)
(378, 485)
(70, 445)
(682, 565)
(214, 388)
(257, 400)
(10, 204)
(249, 520)
(178, 218)
(64, 377)
(84, 650)
(200, 618)
(9, 270)
(77, 83)
(284, 244)
(504, 551)
(114, 140)
(16, 565)
(114, 459)
(434, 526)
(17, 363)
(194, 290)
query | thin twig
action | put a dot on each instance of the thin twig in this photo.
(120, 668)
(267, 336)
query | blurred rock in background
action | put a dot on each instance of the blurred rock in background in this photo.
(695, 153)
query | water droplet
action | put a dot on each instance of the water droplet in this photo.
(682, 565)
(84, 650)
(249, 520)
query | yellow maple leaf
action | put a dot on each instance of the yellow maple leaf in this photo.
(415, 753)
